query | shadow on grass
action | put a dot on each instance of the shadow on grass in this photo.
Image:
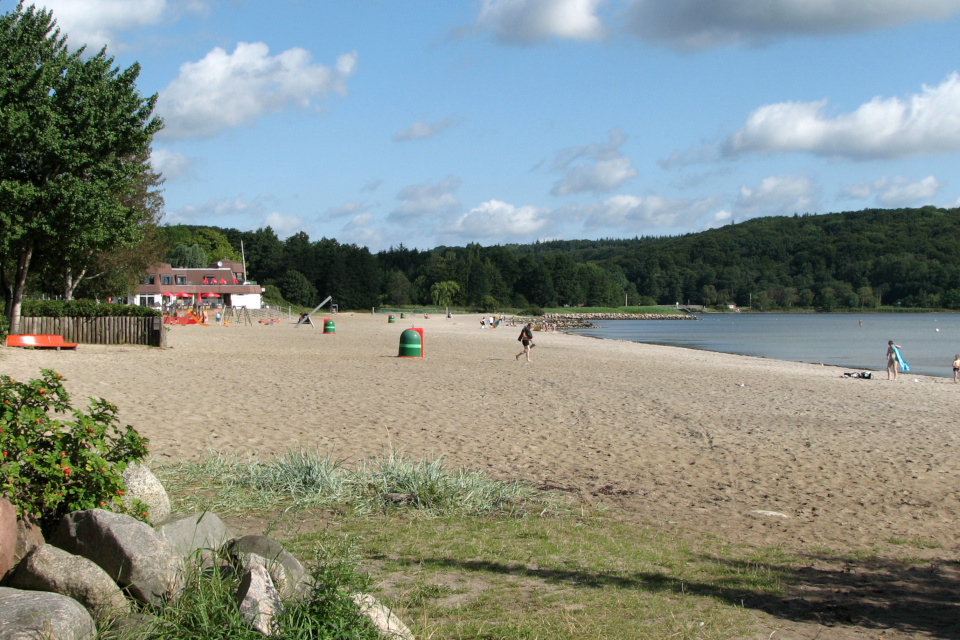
(872, 594)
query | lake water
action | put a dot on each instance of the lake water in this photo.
(929, 341)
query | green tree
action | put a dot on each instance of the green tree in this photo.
(216, 245)
(188, 257)
(297, 289)
(73, 132)
(443, 293)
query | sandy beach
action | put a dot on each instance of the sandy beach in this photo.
(754, 450)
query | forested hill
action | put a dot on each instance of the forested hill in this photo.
(902, 257)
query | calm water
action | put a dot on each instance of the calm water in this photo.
(928, 340)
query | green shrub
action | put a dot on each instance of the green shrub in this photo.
(51, 467)
(533, 311)
(82, 309)
(489, 303)
(4, 327)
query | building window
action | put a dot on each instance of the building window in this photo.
(149, 280)
(181, 279)
(166, 279)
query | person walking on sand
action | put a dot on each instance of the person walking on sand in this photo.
(893, 360)
(526, 338)
(956, 367)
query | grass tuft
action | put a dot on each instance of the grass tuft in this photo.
(308, 479)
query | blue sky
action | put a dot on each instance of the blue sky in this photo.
(380, 122)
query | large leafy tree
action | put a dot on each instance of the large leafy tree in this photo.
(73, 135)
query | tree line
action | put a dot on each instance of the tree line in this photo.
(862, 259)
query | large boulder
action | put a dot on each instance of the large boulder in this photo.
(194, 532)
(29, 537)
(28, 615)
(258, 599)
(48, 568)
(142, 485)
(289, 576)
(8, 536)
(130, 551)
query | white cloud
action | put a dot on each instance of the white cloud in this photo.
(212, 210)
(635, 214)
(700, 24)
(361, 230)
(896, 192)
(776, 195)
(421, 130)
(347, 209)
(495, 220)
(431, 200)
(285, 225)
(529, 21)
(171, 164)
(227, 90)
(96, 22)
(598, 167)
(924, 123)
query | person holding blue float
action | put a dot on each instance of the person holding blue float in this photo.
(895, 361)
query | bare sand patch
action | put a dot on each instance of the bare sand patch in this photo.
(754, 450)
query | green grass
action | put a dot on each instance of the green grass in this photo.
(474, 558)
(560, 577)
(207, 609)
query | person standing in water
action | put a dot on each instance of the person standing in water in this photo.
(956, 367)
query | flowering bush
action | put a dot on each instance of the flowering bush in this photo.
(51, 466)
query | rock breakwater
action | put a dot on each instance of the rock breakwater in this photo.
(583, 320)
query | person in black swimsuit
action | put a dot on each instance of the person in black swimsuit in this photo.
(526, 338)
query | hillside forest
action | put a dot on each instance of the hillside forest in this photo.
(863, 259)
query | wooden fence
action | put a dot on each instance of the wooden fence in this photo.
(102, 330)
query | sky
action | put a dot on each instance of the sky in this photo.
(437, 122)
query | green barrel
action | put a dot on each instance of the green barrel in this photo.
(390, 318)
(329, 326)
(411, 344)
(402, 316)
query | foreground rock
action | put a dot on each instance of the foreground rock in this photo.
(258, 599)
(288, 575)
(128, 550)
(142, 485)
(29, 615)
(390, 626)
(48, 568)
(194, 532)
(8, 536)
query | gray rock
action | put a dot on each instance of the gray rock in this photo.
(294, 577)
(258, 599)
(194, 532)
(48, 568)
(29, 537)
(142, 485)
(390, 626)
(31, 615)
(8, 536)
(128, 550)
